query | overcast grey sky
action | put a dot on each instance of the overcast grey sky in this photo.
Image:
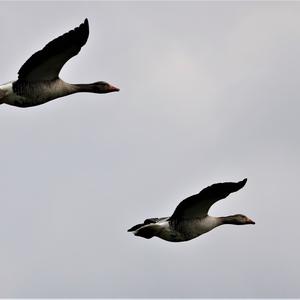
(209, 93)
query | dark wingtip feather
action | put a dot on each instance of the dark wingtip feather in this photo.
(243, 182)
(86, 23)
(84, 28)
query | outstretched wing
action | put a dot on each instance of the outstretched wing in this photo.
(47, 63)
(197, 206)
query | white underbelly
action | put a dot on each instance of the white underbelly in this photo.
(9, 96)
(187, 229)
(166, 233)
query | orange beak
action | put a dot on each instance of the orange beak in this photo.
(113, 88)
(249, 221)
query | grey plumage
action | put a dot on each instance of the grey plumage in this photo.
(190, 218)
(39, 81)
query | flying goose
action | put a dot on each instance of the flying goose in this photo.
(38, 80)
(190, 218)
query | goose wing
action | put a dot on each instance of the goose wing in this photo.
(197, 206)
(47, 63)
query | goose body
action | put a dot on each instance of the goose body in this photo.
(180, 232)
(38, 81)
(190, 218)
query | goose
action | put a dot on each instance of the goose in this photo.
(38, 79)
(190, 218)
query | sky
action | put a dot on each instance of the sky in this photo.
(209, 92)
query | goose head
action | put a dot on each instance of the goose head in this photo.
(102, 87)
(237, 220)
